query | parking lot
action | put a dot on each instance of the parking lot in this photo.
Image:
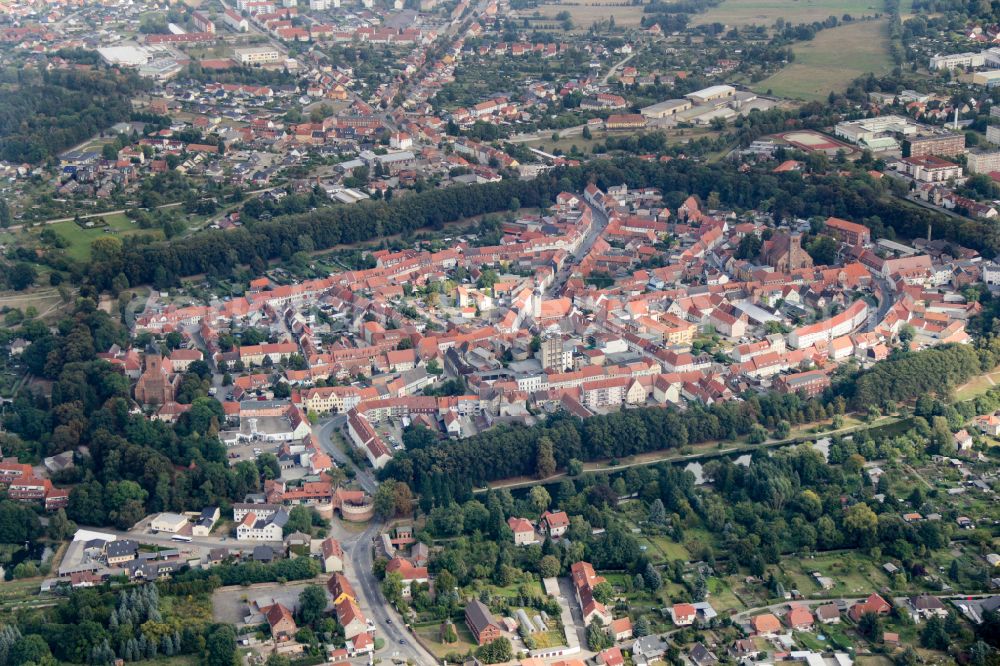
(229, 604)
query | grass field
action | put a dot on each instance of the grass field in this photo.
(977, 386)
(831, 61)
(766, 12)
(430, 637)
(80, 238)
(584, 15)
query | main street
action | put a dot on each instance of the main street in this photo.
(597, 226)
(358, 559)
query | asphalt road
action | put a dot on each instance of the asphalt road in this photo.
(325, 429)
(359, 556)
(598, 225)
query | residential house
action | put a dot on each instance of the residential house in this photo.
(621, 629)
(555, 523)
(281, 622)
(648, 649)
(873, 604)
(765, 625)
(584, 581)
(611, 656)
(524, 531)
(925, 606)
(683, 615)
(333, 556)
(699, 655)
(799, 618)
(828, 614)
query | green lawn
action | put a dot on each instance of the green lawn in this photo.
(829, 62)
(671, 549)
(977, 386)
(80, 239)
(852, 574)
(430, 638)
(766, 12)
(722, 597)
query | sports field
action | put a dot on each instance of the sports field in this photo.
(766, 12)
(829, 62)
(810, 141)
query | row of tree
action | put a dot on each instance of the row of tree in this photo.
(448, 470)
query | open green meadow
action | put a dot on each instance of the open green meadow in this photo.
(829, 62)
(80, 239)
(766, 12)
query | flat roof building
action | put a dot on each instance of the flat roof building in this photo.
(667, 109)
(712, 94)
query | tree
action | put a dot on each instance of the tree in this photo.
(934, 636)
(60, 527)
(392, 588)
(652, 577)
(21, 276)
(540, 499)
(980, 653)
(126, 502)
(384, 500)
(106, 249)
(823, 251)
(496, 652)
(299, 520)
(870, 626)
(545, 461)
(597, 637)
(861, 525)
(758, 434)
(574, 467)
(312, 604)
(657, 512)
(30, 649)
(906, 333)
(700, 588)
(220, 648)
(549, 566)
(641, 627)
(603, 592)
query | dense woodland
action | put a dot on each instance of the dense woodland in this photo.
(99, 625)
(449, 469)
(45, 113)
(136, 466)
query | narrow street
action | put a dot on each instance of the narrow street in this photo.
(598, 225)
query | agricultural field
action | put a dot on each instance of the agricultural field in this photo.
(831, 61)
(586, 14)
(766, 12)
